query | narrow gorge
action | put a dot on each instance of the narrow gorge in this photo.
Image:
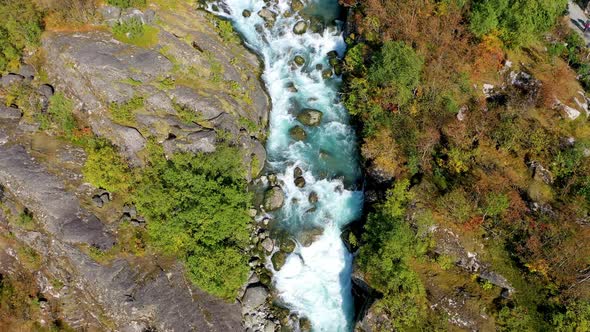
(311, 149)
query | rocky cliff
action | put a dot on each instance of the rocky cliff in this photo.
(186, 90)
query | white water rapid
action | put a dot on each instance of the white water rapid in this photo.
(315, 280)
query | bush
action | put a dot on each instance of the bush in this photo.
(519, 22)
(59, 115)
(20, 27)
(197, 209)
(105, 168)
(397, 66)
(127, 3)
(123, 113)
(133, 31)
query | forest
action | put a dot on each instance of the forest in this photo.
(460, 108)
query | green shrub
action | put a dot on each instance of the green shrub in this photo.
(20, 27)
(496, 204)
(59, 115)
(105, 168)
(519, 22)
(397, 67)
(197, 209)
(576, 317)
(127, 3)
(124, 113)
(133, 31)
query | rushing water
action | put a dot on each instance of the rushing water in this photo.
(315, 280)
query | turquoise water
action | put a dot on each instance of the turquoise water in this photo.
(315, 280)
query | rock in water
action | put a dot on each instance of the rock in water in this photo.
(298, 133)
(288, 246)
(300, 182)
(267, 15)
(313, 197)
(268, 244)
(297, 172)
(278, 260)
(309, 236)
(310, 117)
(296, 5)
(246, 13)
(300, 28)
(274, 198)
(299, 60)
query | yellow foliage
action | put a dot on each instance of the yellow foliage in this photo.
(385, 153)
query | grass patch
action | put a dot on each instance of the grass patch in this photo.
(124, 113)
(134, 32)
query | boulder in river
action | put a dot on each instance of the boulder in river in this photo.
(298, 133)
(310, 117)
(313, 197)
(246, 13)
(296, 5)
(299, 60)
(297, 172)
(309, 236)
(300, 28)
(274, 198)
(326, 73)
(288, 246)
(300, 182)
(267, 15)
(278, 260)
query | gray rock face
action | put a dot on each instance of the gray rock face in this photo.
(274, 198)
(10, 79)
(310, 117)
(63, 216)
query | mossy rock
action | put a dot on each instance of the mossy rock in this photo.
(313, 197)
(296, 5)
(278, 260)
(300, 182)
(326, 74)
(310, 117)
(309, 236)
(288, 246)
(300, 28)
(298, 133)
(246, 13)
(304, 325)
(299, 60)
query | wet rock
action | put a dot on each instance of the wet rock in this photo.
(299, 60)
(298, 133)
(332, 54)
(338, 69)
(291, 87)
(304, 324)
(254, 298)
(288, 246)
(296, 5)
(300, 28)
(319, 67)
(317, 25)
(267, 15)
(297, 172)
(313, 197)
(307, 237)
(274, 198)
(10, 113)
(300, 182)
(278, 260)
(246, 13)
(327, 73)
(310, 117)
(272, 179)
(268, 245)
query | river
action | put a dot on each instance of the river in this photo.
(315, 281)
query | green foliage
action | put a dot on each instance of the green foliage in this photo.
(127, 3)
(197, 208)
(186, 114)
(20, 27)
(514, 319)
(124, 113)
(576, 318)
(105, 168)
(390, 245)
(397, 67)
(226, 31)
(459, 207)
(519, 22)
(133, 31)
(59, 115)
(496, 204)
